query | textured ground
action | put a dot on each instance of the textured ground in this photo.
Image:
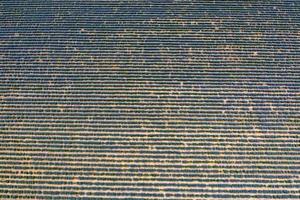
(149, 99)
